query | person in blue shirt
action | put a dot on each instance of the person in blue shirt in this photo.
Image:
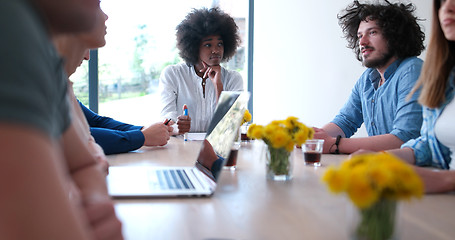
(118, 137)
(386, 38)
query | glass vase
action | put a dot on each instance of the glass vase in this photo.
(378, 222)
(279, 164)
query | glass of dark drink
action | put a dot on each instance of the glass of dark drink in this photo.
(243, 131)
(312, 151)
(231, 163)
(244, 137)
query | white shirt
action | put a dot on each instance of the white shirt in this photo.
(179, 84)
(445, 130)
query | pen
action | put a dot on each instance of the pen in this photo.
(167, 121)
(185, 112)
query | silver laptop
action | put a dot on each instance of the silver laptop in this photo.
(199, 180)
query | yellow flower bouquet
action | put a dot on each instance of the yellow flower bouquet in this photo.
(246, 117)
(374, 183)
(244, 126)
(280, 137)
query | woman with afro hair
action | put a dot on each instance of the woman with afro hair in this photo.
(205, 38)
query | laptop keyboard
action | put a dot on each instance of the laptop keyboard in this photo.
(174, 179)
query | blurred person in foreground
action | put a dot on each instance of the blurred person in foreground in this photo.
(387, 40)
(205, 38)
(70, 48)
(111, 135)
(51, 185)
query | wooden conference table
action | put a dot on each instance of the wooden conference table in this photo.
(247, 206)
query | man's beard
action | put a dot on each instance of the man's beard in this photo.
(378, 62)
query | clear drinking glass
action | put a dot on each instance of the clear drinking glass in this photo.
(312, 151)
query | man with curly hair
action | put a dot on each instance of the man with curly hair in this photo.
(205, 38)
(387, 39)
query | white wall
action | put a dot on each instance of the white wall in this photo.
(302, 66)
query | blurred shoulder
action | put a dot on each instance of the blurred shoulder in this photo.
(231, 73)
(177, 67)
(412, 62)
(180, 68)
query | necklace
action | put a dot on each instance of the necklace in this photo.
(203, 87)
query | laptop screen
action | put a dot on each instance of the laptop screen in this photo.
(222, 132)
(152, 181)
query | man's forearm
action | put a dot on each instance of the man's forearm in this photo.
(333, 130)
(374, 143)
(82, 165)
(96, 204)
(91, 181)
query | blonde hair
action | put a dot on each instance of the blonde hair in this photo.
(436, 68)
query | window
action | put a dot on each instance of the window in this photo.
(140, 43)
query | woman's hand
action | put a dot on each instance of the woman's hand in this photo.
(183, 124)
(214, 74)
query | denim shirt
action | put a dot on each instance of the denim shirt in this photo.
(428, 151)
(384, 109)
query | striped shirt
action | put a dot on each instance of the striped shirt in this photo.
(428, 151)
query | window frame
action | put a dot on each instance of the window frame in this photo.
(93, 66)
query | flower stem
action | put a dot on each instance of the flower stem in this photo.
(279, 160)
(378, 221)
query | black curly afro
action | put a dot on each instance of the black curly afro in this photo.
(201, 23)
